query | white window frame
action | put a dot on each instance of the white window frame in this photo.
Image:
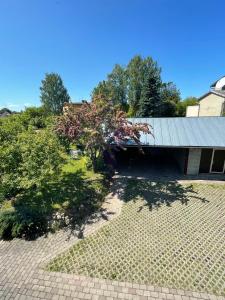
(211, 164)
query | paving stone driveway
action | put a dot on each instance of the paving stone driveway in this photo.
(22, 275)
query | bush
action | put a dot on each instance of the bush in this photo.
(35, 117)
(28, 224)
(10, 127)
(28, 161)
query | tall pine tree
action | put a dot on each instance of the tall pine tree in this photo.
(151, 101)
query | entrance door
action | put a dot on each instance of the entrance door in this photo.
(218, 161)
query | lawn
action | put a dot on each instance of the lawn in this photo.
(167, 234)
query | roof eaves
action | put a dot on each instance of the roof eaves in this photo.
(212, 92)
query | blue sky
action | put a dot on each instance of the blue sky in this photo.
(83, 39)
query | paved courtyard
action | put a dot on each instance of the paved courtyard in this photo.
(25, 265)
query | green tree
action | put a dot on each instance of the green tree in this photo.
(118, 85)
(169, 92)
(137, 70)
(182, 105)
(150, 101)
(103, 88)
(170, 97)
(128, 87)
(114, 88)
(135, 74)
(25, 151)
(168, 109)
(53, 93)
(28, 157)
(36, 117)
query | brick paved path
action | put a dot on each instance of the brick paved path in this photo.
(22, 275)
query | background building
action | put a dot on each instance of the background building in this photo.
(211, 103)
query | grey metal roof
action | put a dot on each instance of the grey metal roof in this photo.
(184, 132)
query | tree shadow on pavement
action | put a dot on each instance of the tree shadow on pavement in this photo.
(156, 194)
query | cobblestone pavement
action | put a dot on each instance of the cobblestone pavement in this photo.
(22, 275)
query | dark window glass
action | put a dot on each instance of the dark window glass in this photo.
(218, 161)
(205, 160)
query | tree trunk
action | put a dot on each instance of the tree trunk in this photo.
(94, 160)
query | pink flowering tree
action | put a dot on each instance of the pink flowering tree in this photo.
(99, 125)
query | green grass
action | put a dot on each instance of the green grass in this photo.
(74, 165)
(167, 234)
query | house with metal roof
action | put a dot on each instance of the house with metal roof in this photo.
(195, 145)
(210, 104)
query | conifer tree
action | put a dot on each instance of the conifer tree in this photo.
(150, 101)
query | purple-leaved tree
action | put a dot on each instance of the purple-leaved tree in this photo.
(99, 125)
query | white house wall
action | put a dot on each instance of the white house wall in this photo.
(211, 105)
(192, 111)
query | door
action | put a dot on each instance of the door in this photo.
(218, 161)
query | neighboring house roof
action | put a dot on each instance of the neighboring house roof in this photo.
(72, 106)
(4, 112)
(218, 93)
(215, 83)
(184, 132)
